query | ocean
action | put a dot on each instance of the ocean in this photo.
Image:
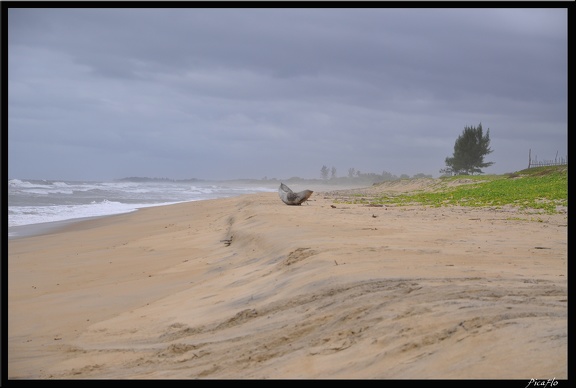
(33, 204)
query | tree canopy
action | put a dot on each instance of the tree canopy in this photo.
(469, 151)
(324, 172)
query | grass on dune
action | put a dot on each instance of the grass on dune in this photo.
(542, 188)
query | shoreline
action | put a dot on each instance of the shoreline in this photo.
(247, 287)
(43, 228)
(37, 229)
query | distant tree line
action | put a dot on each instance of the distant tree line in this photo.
(147, 179)
(330, 174)
(470, 149)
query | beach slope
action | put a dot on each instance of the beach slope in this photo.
(249, 288)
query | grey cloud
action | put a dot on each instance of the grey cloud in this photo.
(374, 89)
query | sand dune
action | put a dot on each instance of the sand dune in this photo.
(249, 288)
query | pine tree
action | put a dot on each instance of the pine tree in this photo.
(333, 173)
(469, 151)
(324, 172)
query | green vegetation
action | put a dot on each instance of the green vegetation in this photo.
(469, 151)
(542, 188)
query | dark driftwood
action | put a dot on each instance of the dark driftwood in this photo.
(291, 198)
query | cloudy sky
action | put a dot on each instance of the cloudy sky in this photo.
(98, 94)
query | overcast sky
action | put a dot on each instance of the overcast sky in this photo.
(98, 94)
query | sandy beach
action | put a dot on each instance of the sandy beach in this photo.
(249, 288)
